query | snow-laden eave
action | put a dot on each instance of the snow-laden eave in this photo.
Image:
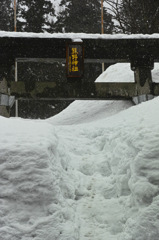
(78, 35)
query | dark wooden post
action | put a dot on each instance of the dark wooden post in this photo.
(4, 99)
(5, 78)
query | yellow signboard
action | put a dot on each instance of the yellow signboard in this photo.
(74, 60)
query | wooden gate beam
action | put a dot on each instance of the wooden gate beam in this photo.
(96, 48)
(74, 91)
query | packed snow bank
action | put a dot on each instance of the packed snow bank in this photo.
(121, 72)
(116, 160)
(34, 186)
(92, 181)
(88, 111)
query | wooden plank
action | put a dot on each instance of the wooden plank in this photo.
(63, 60)
(116, 90)
(77, 90)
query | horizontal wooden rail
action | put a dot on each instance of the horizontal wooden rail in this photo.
(72, 91)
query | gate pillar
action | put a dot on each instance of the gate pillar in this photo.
(142, 72)
(5, 99)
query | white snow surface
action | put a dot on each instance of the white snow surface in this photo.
(78, 35)
(89, 173)
(121, 73)
(56, 4)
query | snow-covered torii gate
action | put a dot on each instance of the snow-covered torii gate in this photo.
(140, 50)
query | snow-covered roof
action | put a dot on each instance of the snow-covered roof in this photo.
(78, 35)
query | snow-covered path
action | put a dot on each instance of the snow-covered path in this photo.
(110, 161)
(98, 211)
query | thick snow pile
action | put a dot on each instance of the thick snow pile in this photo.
(88, 181)
(121, 72)
(89, 111)
(117, 161)
(34, 186)
(85, 174)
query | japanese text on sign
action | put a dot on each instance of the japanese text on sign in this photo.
(74, 64)
(74, 60)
